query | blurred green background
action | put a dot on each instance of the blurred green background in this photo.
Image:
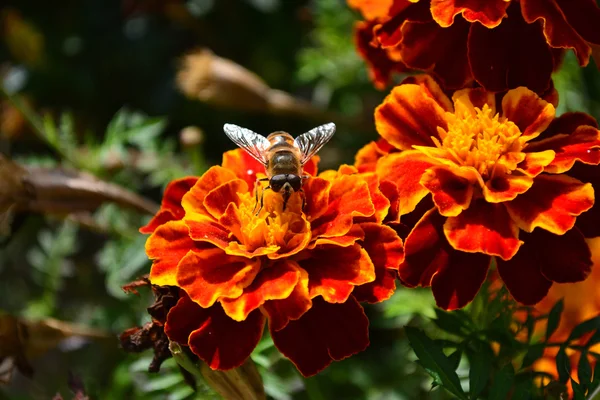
(99, 81)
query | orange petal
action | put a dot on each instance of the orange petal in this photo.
(334, 271)
(386, 251)
(582, 145)
(273, 283)
(316, 191)
(193, 201)
(408, 117)
(535, 163)
(506, 187)
(312, 166)
(380, 201)
(567, 123)
(372, 9)
(557, 28)
(166, 247)
(552, 203)
(391, 192)
(208, 231)
(218, 199)
(354, 234)
(281, 312)
(170, 206)
(366, 158)
(430, 87)
(211, 274)
(325, 333)
(452, 189)
(465, 100)
(528, 111)
(489, 13)
(349, 197)
(243, 165)
(484, 228)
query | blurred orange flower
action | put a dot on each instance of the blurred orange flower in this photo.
(495, 170)
(500, 44)
(304, 271)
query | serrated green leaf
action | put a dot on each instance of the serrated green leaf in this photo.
(502, 383)
(563, 365)
(534, 352)
(434, 361)
(479, 371)
(554, 318)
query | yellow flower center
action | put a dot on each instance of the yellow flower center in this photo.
(481, 140)
(272, 226)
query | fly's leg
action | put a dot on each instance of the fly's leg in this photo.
(286, 196)
(262, 196)
(301, 191)
(256, 186)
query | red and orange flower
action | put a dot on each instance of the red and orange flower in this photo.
(493, 170)
(500, 44)
(305, 271)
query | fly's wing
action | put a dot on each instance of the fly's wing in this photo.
(312, 141)
(252, 142)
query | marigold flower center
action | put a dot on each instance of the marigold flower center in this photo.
(272, 226)
(479, 139)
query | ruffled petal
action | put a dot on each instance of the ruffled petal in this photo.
(325, 333)
(484, 228)
(535, 163)
(223, 343)
(274, 283)
(211, 274)
(459, 279)
(506, 187)
(589, 221)
(528, 111)
(451, 188)
(366, 158)
(208, 231)
(391, 192)
(513, 54)
(281, 312)
(193, 201)
(582, 145)
(553, 203)
(170, 206)
(565, 258)
(386, 251)
(243, 165)
(567, 123)
(334, 271)
(489, 13)
(557, 29)
(522, 276)
(431, 88)
(405, 169)
(218, 199)
(184, 318)
(168, 244)
(408, 116)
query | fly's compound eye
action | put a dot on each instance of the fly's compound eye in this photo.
(277, 182)
(295, 181)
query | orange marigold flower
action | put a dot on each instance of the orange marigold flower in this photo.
(500, 44)
(495, 170)
(305, 271)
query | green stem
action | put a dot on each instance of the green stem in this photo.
(182, 359)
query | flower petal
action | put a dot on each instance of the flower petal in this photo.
(465, 100)
(522, 276)
(528, 111)
(223, 343)
(334, 271)
(484, 228)
(281, 312)
(431, 88)
(425, 250)
(552, 203)
(193, 201)
(205, 230)
(366, 158)
(408, 116)
(218, 199)
(582, 145)
(390, 191)
(170, 206)
(534, 163)
(588, 222)
(513, 54)
(211, 274)
(567, 123)
(557, 29)
(565, 258)
(166, 247)
(325, 333)
(316, 192)
(405, 169)
(489, 13)
(386, 251)
(372, 9)
(273, 283)
(506, 187)
(452, 189)
(184, 318)
(458, 281)
(243, 165)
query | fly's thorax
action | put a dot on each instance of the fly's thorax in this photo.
(284, 162)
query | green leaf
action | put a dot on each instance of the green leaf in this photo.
(450, 322)
(585, 327)
(479, 371)
(434, 361)
(455, 359)
(534, 352)
(584, 369)
(563, 365)
(554, 318)
(523, 390)
(503, 381)
(578, 391)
